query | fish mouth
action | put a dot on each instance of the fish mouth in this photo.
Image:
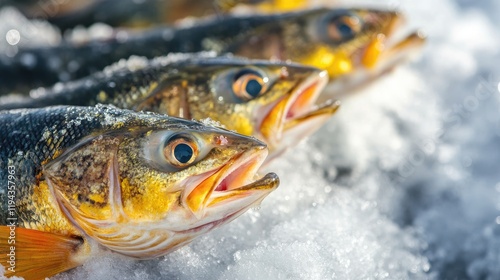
(378, 57)
(230, 189)
(297, 109)
(387, 46)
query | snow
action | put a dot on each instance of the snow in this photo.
(403, 183)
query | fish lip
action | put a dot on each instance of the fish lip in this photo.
(265, 184)
(260, 187)
(300, 103)
(414, 38)
(328, 107)
(236, 175)
(412, 41)
(318, 83)
(253, 158)
(402, 48)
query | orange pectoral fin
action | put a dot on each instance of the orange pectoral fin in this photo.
(34, 254)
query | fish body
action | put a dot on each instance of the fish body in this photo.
(273, 101)
(130, 13)
(78, 178)
(44, 66)
(336, 40)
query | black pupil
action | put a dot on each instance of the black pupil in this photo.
(344, 29)
(253, 88)
(183, 153)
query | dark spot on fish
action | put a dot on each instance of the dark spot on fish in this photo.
(183, 153)
(253, 88)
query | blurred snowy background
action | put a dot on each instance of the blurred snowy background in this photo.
(403, 183)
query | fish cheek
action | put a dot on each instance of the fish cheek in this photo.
(80, 178)
(147, 194)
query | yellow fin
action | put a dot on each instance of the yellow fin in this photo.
(35, 254)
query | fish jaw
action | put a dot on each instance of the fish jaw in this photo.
(294, 110)
(390, 58)
(229, 185)
(366, 50)
(369, 55)
(384, 45)
(401, 50)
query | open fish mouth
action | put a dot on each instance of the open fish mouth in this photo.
(298, 109)
(378, 57)
(230, 189)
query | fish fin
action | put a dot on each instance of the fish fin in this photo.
(35, 254)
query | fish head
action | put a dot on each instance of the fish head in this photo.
(340, 41)
(145, 189)
(272, 101)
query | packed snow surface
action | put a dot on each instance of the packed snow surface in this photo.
(402, 183)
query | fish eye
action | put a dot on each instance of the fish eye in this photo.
(343, 27)
(169, 151)
(180, 150)
(248, 84)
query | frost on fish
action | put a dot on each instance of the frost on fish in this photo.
(134, 63)
(212, 123)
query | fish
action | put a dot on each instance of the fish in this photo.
(272, 101)
(77, 180)
(335, 40)
(340, 41)
(261, 6)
